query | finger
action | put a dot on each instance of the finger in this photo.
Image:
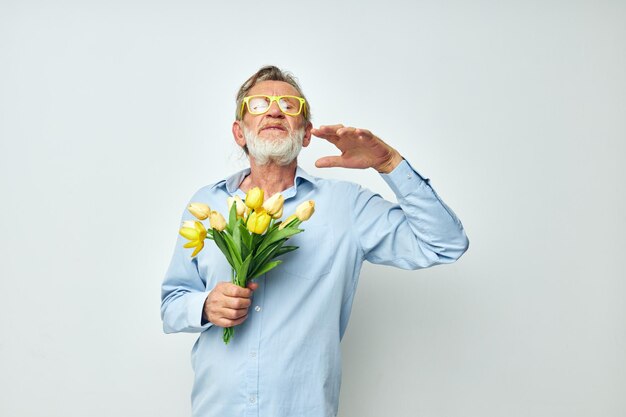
(236, 302)
(332, 137)
(239, 321)
(232, 290)
(364, 133)
(329, 162)
(328, 129)
(327, 132)
(253, 285)
(346, 131)
(230, 322)
(232, 314)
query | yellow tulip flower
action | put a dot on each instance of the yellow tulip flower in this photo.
(254, 198)
(258, 221)
(200, 210)
(305, 210)
(239, 205)
(195, 232)
(217, 221)
(274, 204)
(278, 214)
(191, 224)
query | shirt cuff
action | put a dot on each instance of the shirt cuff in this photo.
(404, 179)
(195, 306)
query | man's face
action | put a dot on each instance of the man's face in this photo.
(272, 125)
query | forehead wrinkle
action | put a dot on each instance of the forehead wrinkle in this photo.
(273, 88)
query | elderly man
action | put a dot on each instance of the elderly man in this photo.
(285, 358)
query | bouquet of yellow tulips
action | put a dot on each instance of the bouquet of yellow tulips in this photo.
(252, 237)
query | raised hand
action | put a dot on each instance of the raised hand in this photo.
(359, 148)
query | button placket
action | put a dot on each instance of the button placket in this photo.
(252, 371)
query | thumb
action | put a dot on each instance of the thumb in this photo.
(329, 162)
(252, 285)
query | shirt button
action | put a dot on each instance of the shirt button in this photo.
(253, 354)
(409, 176)
(252, 399)
(257, 308)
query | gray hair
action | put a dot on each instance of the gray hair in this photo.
(271, 73)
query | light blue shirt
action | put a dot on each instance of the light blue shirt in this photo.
(285, 359)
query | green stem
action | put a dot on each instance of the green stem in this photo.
(228, 334)
(230, 331)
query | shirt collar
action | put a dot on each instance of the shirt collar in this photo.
(232, 182)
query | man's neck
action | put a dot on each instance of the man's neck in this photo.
(271, 178)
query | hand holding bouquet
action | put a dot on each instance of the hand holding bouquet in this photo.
(252, 237)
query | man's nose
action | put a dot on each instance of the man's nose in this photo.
(274, 110)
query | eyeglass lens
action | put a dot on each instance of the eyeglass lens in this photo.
(260, 104)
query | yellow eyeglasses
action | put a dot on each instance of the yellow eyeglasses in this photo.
(290, 105)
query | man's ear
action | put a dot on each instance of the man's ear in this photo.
(238, 133)
(307, 134)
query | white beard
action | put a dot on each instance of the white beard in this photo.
(280, 152)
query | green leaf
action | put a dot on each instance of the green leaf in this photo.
(263, 257)
(236, 232)
(242, 272)
(246, 237)
(266, 268)
(221, 244)
(255, 239)
(232, 218)
(277, 235)
(285, 249)
(234, 253)
(245, 252)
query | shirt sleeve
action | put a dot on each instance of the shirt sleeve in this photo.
(417, 232)
(183, 292)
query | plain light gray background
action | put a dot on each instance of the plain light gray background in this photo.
(113, 113)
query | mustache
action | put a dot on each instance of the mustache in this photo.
(280, 125)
